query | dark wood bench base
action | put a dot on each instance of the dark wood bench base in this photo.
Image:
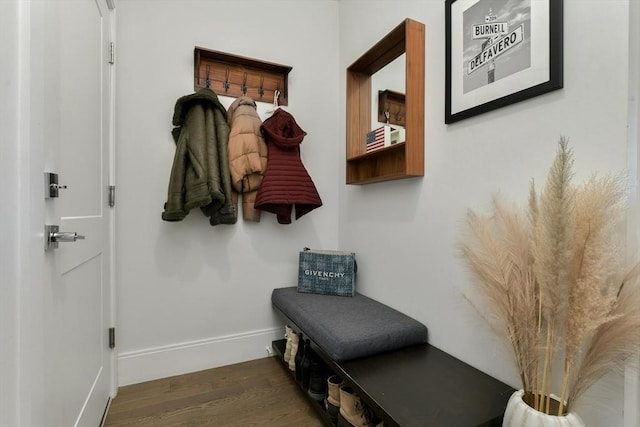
(279, 349)
(419, 386)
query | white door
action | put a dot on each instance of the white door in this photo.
(77, 309)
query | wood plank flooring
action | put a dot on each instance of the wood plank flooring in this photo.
(257, 393)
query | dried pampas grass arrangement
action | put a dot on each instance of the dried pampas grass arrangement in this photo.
(553, 277)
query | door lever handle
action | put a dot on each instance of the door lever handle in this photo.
(66, 236)
(54, 236)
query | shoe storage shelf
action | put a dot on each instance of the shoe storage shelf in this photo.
(418, 386)
(279, 350)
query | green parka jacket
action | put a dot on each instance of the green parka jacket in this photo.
(200, 172)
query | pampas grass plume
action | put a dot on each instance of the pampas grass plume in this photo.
(554, 279)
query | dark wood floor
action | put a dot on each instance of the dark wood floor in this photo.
(256, 393)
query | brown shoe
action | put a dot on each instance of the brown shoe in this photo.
(334, 383)
(353, 411)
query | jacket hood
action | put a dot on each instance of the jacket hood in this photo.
(203, 95)
(282, 129)
(243, 101)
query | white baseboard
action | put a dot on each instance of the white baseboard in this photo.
(177, 359)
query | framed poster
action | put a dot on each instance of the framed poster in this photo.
(499, 52)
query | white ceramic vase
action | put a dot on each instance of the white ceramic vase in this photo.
(519, 414)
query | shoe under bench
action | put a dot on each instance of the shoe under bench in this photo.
(416, 385)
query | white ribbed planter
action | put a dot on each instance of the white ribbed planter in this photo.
(519, 414)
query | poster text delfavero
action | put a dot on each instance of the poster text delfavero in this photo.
(496, 49)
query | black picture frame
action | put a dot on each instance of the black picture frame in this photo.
(532, 31)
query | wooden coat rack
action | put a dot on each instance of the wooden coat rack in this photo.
(235, 76)
(393, 104)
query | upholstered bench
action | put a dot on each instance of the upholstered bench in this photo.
(347, 328)
(384, 355)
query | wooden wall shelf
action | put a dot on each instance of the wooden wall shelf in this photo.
(401, 160)
(233, 75)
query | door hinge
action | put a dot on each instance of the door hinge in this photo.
(112, 196)
(112, 53)
(112, 337)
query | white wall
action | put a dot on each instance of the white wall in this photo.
(632, 379)
(405, 232)
(184, 300)
(191, 296)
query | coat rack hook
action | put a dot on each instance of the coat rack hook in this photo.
(280, 90)
(398, 116)
(285, 94)
(244, 84)
(207, 81)
(261, 88)
(225, 84)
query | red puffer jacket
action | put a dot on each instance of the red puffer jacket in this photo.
(286, 182)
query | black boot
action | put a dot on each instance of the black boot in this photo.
(302, 347)
(309, 354)
(316, 380)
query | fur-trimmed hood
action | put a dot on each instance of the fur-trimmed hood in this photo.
(200, 172)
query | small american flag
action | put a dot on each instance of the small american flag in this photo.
(375, 139)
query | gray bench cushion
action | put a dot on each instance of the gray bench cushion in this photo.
(348, 327)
